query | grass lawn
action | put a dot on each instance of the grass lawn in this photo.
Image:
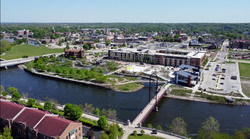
(128, 87)
(18, 51)
(244, 69)
(139, 136)
(245, 89)
(180, 92)
(114, 76)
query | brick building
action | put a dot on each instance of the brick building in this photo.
(22, 32)
(240, 44)
(32, 123)
(78, 53)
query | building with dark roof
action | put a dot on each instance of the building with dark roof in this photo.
(78, 53)
(36, 124)
(240, 44)
(187, 75)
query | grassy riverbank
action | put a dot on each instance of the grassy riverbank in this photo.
(142, 137)
(244, 70)
(18, 51)
(129, 87)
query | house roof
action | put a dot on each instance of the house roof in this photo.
(240, 40)
(9, 109)
(30, 116)
(50, 123)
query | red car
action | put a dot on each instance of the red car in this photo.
(222, 78)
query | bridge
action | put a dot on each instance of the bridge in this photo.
(12, 62)
(150, 106)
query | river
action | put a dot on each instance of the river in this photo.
(127, 105)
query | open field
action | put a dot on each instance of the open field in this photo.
(143, 137)
(18, 51)
(244, 69)
(245, 89)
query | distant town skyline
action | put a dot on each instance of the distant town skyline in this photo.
(129, 11)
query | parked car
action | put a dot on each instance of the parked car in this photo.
(214, 75)
(221, 83)
(222, 78)
(154, 132)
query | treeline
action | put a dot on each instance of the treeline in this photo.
(210, 129)
(5, 46)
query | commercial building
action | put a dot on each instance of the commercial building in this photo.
(77, 52)
(22, 32)
(240, 44)
(167, 57)
(36, 124)
(187, 75)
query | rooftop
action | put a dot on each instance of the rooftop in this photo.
(9, 109)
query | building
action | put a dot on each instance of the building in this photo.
(187, 75)
(78, 52)
(47, 41)
(20, 33)
(240, 44)
(36, 124)
(213, 46)
(167, 57)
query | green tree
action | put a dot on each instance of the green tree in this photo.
(97, 111)
(72, 72)
(4, 93)
(31, 102)
(135, 133)
(1, 88)
(113, 130)
(150, 125)
(200, 40)
(142, 132)
(6, 133)
(65, 72)
(208, 128)
(58, 71)
(102, 122)
(159, 127)
(16, 96)
(104, 135)
(75, 112)
(47, 105)
(246, 132)
(239, 135)
(85, 46)
(12, 89)
(178, 126)
(107, 42)
(67, 109)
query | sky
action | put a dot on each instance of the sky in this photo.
(129, 11)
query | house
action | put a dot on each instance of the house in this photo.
(213, 46)
(36, 124)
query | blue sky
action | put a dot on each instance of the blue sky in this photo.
(156, 11)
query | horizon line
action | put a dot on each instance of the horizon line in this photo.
(141, 22)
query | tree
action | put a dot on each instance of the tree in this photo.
(239, 135)
(58, 71)
(178, 126)
(113, 130)
(246, 132)
(107, 42)
(31, 102)
(208, 128)
(135, 133)
(90, 134)
(1, 88)
(47, 105)
(142, 132)
(6, 133)
(89, 108)
(16, 96)
(150, 125)
(159, 127)
(104, 135)
(102, 122)
(12, 89)
(75, 112)
(67, 108)
(97, 111)
(72, 72)
(200, 40)
(65, 72)
(4, 93)
(111, 114)
(85, 46)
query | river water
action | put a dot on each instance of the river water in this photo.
(127, 105)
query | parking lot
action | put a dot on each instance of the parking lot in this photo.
(220, 81)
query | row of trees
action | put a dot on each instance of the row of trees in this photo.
(210, 129)
(5, 46)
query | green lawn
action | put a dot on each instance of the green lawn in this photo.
(180, 92)
(18, 51)
(114, 76)
(128, 87)
(139, 136)
(244, 69)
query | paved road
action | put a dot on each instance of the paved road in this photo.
(21, 60)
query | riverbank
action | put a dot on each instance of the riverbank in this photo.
(199, 99)
(125, 87)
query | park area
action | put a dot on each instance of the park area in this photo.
(143, 137)
(18, 51)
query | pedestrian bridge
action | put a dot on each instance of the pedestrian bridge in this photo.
(150, 106)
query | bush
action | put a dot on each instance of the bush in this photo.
(135, 133)
(87, 122)
(16, 96)
(142, 132)
(47, 105)
(39, 107)
(150, 126)
(31, 102)
(4, 93)
(102, 122)
(56, 112)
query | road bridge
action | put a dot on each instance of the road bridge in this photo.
(12, 62)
